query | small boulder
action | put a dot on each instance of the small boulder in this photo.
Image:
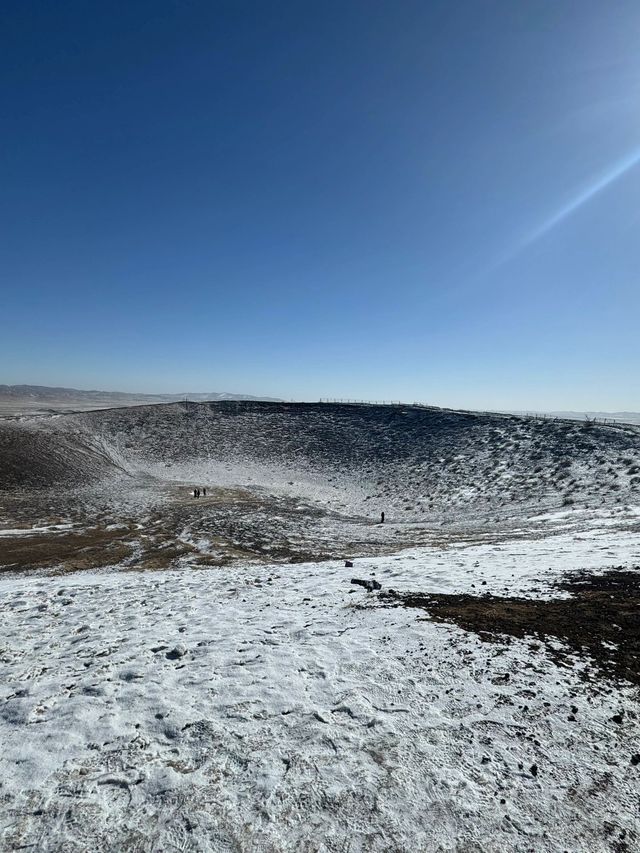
(176, 653)
(369, 585)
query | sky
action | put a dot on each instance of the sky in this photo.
(420, 200)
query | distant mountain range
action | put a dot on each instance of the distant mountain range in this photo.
(30, 397)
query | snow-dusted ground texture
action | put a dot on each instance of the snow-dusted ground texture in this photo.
(283, 709)
(181, 674)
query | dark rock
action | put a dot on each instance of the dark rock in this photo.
(348, 564)
(533, 770)
(635, 759)
(176, 653)
(369, 585)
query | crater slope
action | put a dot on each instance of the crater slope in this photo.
(298, 481)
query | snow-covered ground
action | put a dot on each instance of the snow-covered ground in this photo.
(258, 708)
(242, 695)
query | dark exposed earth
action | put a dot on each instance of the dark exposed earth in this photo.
(599, 620)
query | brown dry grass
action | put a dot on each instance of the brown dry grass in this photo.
(71, 551)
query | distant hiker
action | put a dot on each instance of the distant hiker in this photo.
(381, 518)
(204, 492)
(195, 493)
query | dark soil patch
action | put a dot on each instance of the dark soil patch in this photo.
(600, 622)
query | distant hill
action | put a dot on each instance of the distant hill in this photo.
(21, 398)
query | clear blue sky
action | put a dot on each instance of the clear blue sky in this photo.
(427, 200)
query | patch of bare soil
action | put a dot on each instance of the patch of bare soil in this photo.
(599, 622)
(228, 525)
(88, 549)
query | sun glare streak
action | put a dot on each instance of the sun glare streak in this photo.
(601, 183)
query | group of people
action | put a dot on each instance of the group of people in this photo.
(197, 493)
